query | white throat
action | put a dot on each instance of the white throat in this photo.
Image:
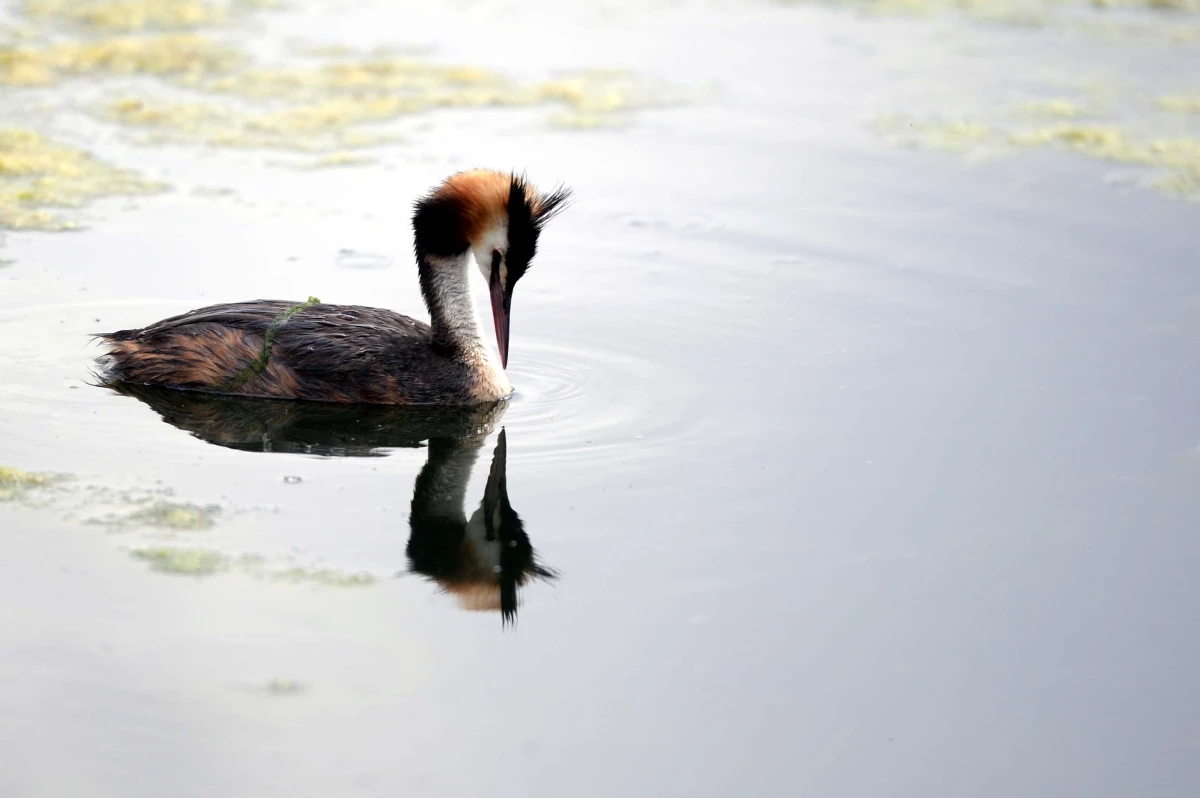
(460, 288)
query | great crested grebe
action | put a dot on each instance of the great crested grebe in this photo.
(346, 353)
(483, 560)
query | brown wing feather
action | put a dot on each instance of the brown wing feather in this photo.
(338, 353)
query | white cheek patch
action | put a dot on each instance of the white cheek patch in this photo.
(494, 238)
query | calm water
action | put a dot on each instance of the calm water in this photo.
(834, 468)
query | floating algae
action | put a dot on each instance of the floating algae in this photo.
(1171, 21)
(186, 57)
(325, 106)
(954, 136)
(36, 174)
(216, 124)
(15, 483)
(209, 92)
(318, 106)
(601, 99)
(383, 76)
(326, 577)
(191, 562)
(1174, 162)
(131, 14)
(206, 562)
(1180, 104)
(1060, 107)
(143, 513)
(1104, 142)
(134, 111)
(84, 502)
(174, 515)
(337, 159)
(1026, 12)
(281, 686)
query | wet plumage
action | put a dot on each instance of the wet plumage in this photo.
(336, 353)
(346, 353)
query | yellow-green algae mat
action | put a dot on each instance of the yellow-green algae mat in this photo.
(211, 92)
(137, 14)
(1110, 118)
(156, 514)
(40, 179)
(1173, 163)
(1109, 18)
(15, 483)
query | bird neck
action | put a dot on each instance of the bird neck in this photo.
(441, 487)
(454, 316)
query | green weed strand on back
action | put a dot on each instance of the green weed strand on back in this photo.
(259, 364)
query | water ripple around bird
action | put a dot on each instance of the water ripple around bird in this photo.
(595, 405)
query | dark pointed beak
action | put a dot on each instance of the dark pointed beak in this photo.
(501, 310)
(495, 493)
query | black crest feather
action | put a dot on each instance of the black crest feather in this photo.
(528, 212)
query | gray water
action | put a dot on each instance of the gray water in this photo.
(856, 470)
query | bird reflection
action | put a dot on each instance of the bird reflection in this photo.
(324, 428)
(482, 560)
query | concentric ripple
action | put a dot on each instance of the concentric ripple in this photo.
(575, 403)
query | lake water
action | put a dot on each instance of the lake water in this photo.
(855, 447)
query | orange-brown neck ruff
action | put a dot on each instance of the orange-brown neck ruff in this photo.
(481, 200)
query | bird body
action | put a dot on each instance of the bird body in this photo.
(346, 353)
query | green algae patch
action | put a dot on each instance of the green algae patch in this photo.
(196, 89)
(136, 111)
(282, 686)
(1059, 108)
(1167, 21)
(323, 104)
(38, 177)
(328, 125)
(328, 106)
(577, 120)
(955, 136)
(1105, 142)
(183, 56)
(1180, 104)
(15, 483)
(1173, 164)
(958, 135)
(15, 476)
(1022, 12)
(326, 577)
(150, 523)
(189, 562)
(174, 515)
(375, 75)
(336, 160)
(1176, 161)
(129, 15)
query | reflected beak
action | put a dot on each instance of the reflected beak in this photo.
(501, 307)
(495, 493)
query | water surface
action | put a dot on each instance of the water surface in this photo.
(852, 469)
